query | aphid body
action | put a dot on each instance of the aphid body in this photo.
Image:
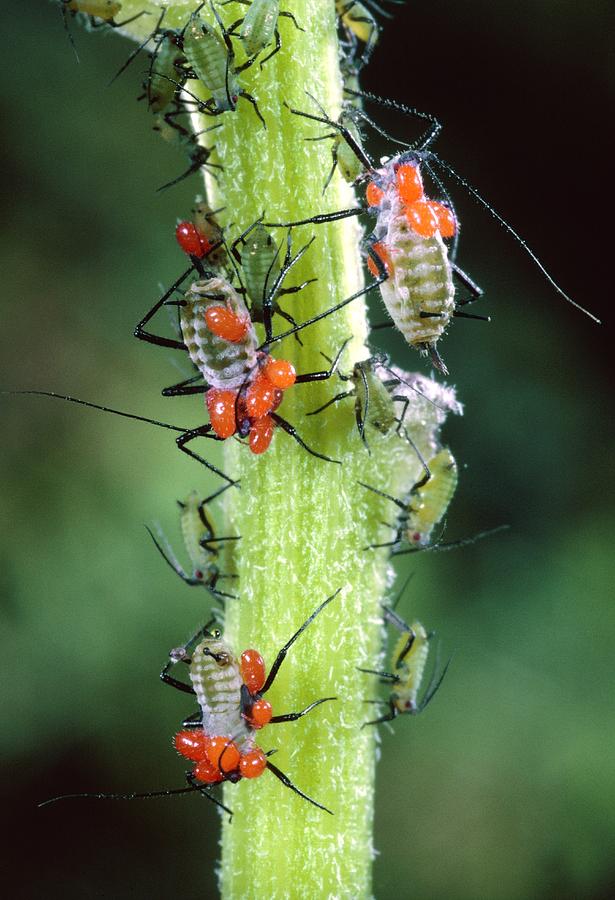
(358, 20)
(160, 87)
(419, 293)
(260, 267)
(207, 56)
(430, 498)
(101, 9)
(216, 678)
(222, 363)
(259, 25)
(195, 529)
(409, 666)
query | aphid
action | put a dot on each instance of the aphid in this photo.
(263, 273)
(230, 692)
(210, 57)
(427, 504)
(344, 158)
(220, 738)
(259, 26)
(243, 385)
(408, 664)
(99, 13)
(406, 246)
(201, 544)
(174, 133)
(203, 236)
(357, 20)
(377, 387)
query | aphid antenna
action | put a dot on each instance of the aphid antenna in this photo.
(147, 795)
(64, 7)
(400, 594)
(517, 237)
(186, 434)
(356, 148)
(425, 140)
(452, 545)
(413, 387)
(395, 500)
(141, 46)
(434, 682)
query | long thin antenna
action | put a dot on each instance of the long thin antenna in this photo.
(474, 193)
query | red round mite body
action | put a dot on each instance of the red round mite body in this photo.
(191, 240)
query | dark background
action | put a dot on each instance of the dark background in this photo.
(505, 788)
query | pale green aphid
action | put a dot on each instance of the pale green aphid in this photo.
(160, 86)
(200, 543)
(408, 664)
(427, 504)
(259, 26)
(211, 58)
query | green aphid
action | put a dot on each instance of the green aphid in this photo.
(200, 543)
(259, 26)
(210, 57)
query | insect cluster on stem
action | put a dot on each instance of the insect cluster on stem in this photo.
(228, 307)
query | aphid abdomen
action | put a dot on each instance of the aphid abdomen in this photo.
(101, 9)
(259, 25)
(161, 86)
(222, 364)
(193, 531)
(410, 669)
(216, 679)
(421, 281)
(260, 267)
(430, 502)
(207, 56)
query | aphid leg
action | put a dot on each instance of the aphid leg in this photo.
(387, 717)
(140, 47)
(144, 796)
(282, 653)
(425, 140)
(190, 435)
(194, 721)
(386, 676)
(288, 783)
(202, 790)
(143, 335)
(475, 293)
(330, 402)
(183, 388)
(356, 148)
(287, 264)
(291, 430)
(292, 717)
(452, 545)
(175, 682)
(322, 376)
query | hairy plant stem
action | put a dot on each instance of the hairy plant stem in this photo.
(304, 522)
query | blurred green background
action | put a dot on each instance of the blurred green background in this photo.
(505, 788)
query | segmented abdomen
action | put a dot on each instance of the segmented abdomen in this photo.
(411, 669)
(430, 502)
(421, 279)
(221, 363)
(217, 684)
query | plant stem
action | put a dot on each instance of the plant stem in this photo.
(305, 523)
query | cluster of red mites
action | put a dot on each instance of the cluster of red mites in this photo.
(248, 409)
(218, 757)
(426, 217)
(245, 411)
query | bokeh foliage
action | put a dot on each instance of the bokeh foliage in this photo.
(505, 788)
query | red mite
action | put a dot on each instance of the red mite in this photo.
(191, 240)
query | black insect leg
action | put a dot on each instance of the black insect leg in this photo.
(282, 653)
(322, 376)
(292, 717)
(387, 717)
(143, 335)
(202, 790)
(184, 388)
(190, 435)
(291, 430)
(288, 783)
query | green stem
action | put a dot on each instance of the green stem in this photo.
(304, 522)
